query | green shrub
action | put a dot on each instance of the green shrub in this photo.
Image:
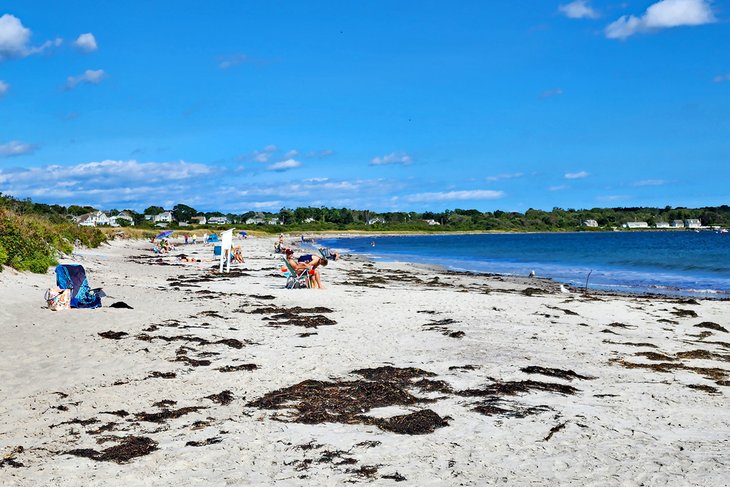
(32, 242)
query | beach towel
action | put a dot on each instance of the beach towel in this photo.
(73, 277)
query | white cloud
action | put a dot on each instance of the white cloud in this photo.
(579, 9)
(290, 154)
(4, 87)
(15, 148)
(265, 204)
(86, 42)
(663, 14)
(650, 182)
(478, 194)
(500, 177)
(576, 175)
(91, 76)
(559, 187)
(226, 62)
(721, 78)
(551, 93)
(284, 165)
(392, 158)
(614, 197)
(15, 39)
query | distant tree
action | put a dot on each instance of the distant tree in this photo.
(183, 213)
(80, 210)
(154, 210)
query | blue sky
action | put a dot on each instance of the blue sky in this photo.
(379, 105)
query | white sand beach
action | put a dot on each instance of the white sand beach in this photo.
(505, 381)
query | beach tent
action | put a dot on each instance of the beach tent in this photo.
(212, 238)
(73, 277)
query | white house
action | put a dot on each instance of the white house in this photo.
(677, 224)
(218, 220)
(273, 221)
(636, 225)
(164, 217)
(375, 221)
(590, 223)
(93, 219)
(432, 222)
(126, 219)
(255, 221)
(310, 220)
(199, 220)
(692, 223)
(662, 225)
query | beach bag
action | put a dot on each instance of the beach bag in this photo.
(58, 299)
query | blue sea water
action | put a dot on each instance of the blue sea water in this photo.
(677, 263)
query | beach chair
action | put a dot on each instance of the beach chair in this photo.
(73, 277)
(295, 279)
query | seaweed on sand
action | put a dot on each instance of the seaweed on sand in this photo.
(128, 447)
(346, 401)
(560, 373)
(712, 326)
(162, 416)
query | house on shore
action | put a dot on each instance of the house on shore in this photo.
(218, 220)
(677, 224)
(198, 220)
(122, 219)
(375, 221)
(93, 219)
(662, 225)
(590, 223)
(164, 217)
(692, 223)
(636, 225)
(432, 222)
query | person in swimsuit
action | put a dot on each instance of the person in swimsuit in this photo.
(312, 262)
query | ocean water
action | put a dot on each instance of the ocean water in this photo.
(676, 263)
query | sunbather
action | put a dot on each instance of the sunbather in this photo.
(312, 262)
(237, 255)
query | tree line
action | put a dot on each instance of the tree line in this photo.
(327, 218)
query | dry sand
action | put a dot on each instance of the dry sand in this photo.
(506, 381)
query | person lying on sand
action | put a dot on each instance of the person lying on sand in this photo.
(185, 258)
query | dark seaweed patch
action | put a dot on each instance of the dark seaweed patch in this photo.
(208, 441)
(418, 423)
(560, 373)
(113, 335)
(684, 313)
(237, 368)
(224, 398)
(712, 326)
(554, 430)
(162, 416)
(129, 447)
(161, 375)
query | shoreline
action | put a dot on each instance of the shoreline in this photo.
(470, 378)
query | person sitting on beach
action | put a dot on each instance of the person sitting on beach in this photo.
(237, 255)
(312, 262)
(328, 254)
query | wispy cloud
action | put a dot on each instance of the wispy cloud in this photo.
(576, 175)
(86, 42)
(15, 39)
(579, 9)
(500, 177)
(284, 165)
(551, 93)
(291, 153)
(226, 62)
(560, 187)
(15, 148)
(650, 182)
(721, 78)
(4, 88)
(478, 194)
(392, 158)
(90, 76)
(614, 197)
(663, 14)
(320, 154)
(264, 154)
